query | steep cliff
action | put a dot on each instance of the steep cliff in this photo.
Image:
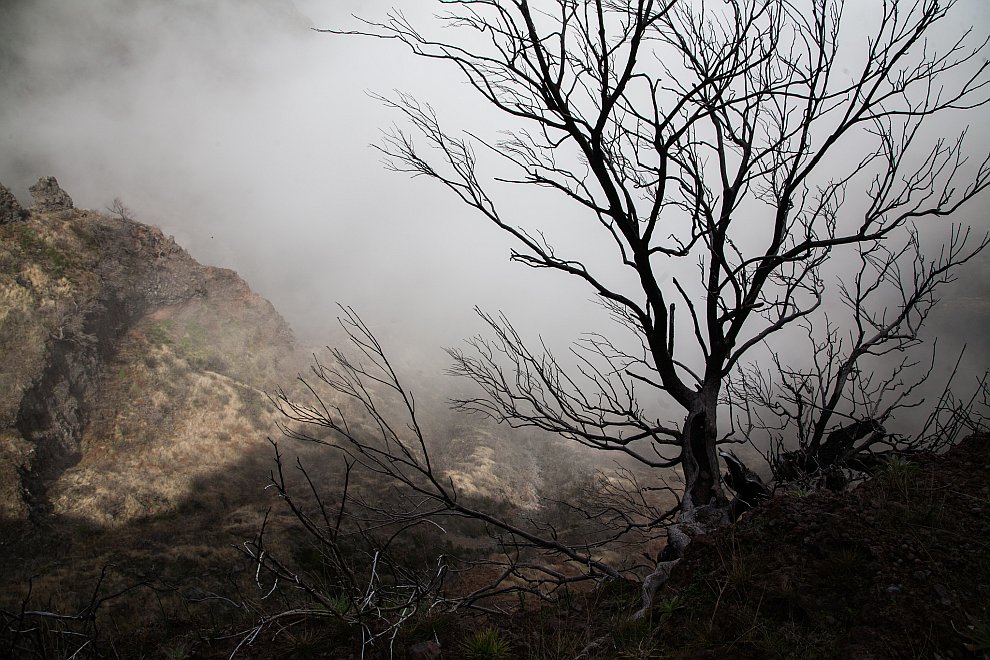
(127, 369)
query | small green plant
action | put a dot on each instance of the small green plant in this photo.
(666, 607)
(848, 561)
(176, 651)
(9, 262)
(900, 476)
(27, 238)
(35, 246)
(633, 638)
(340, 603)
(427, 624)
(487, 644)
(931, 513)
(739, 568)
(160, 332)
(194, 345)
(59, 262)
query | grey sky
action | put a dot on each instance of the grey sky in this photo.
(246, 135)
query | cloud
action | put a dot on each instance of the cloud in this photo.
(245, 134)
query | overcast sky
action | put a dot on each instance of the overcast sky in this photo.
(246, 135)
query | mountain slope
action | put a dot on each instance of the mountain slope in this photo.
(113, 338)
(133, 424)
(133, 435)
(896, 568)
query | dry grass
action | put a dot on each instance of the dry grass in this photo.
(174, 457)
(14, 453)
(166, 429)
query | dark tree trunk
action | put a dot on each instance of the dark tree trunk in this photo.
(702, 485)
(704, 506)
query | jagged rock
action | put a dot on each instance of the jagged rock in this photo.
(10, 209)
(49, 196)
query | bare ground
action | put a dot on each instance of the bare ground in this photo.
(898, 568)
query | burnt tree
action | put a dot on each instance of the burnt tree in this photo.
(728, 155)
(753, 139)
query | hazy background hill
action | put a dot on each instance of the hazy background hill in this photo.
(134, 426)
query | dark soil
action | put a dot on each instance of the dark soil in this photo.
(897, 568)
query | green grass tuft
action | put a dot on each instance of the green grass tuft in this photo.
(900, 476)
(487, 644)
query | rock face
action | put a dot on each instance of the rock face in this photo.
(10, 209)
(100, 315)
(48, 196)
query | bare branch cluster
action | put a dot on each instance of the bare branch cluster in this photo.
(863, 377)
(120, 210)
(728, 155)
(43, 633)
(720, 137)
(359, 408)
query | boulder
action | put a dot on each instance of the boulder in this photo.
(49, 196)
(10, 209)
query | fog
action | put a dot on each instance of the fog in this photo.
(243, 133)
(247, 136)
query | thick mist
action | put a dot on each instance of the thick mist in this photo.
(245, 134)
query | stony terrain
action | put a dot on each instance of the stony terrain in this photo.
(897, 568)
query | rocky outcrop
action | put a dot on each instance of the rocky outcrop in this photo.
(49, 197)
(91, 280)
(10, 209)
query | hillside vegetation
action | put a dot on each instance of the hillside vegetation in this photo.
(134, 458)
(134, 426)
(133, 419)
